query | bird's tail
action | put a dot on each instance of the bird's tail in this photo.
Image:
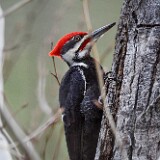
(90, 139)
(73, 132)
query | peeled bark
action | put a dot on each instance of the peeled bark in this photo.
(136, 101)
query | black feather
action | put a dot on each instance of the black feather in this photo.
(82, 119)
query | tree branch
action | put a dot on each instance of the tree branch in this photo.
(5, 152)
(14, 8)
(19, 134)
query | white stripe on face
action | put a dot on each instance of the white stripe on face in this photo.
(71, 53)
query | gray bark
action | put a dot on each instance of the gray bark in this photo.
(137, 98)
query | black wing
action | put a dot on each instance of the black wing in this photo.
(71, 95)
(92, 122)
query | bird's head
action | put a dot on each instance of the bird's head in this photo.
(76, 46)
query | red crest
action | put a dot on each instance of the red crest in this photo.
(56, 50)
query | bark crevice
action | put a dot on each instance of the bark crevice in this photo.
(148, 25)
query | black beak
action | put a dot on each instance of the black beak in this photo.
(95, 35)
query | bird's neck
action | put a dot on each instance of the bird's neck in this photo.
(80, 64)
(83, 62)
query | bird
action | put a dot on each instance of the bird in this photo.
(79, 89)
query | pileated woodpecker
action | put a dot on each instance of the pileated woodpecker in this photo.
(78, 90)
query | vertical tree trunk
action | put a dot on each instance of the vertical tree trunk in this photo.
(137, 97)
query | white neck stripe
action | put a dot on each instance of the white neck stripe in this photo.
(79, 64)
(84, 78)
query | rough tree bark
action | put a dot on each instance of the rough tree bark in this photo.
(136, 99)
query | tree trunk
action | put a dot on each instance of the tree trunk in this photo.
(135, 101)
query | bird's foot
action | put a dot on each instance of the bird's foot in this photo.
(110, 77)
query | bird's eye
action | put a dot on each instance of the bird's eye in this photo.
(77, 38)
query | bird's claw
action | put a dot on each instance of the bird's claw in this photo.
(110, 77)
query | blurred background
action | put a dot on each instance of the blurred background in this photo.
(30, 90)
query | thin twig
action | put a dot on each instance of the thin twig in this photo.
(13, 149)
(55, 70)
(19, 133)
(101, 84)
(14, 113)
(87, 16)
(14, 8)
(54, 66)
(5, 138)
(11, 48)
(54, 75)
(40, 130)
(5, 151)
(2, 41)
(95, 50)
